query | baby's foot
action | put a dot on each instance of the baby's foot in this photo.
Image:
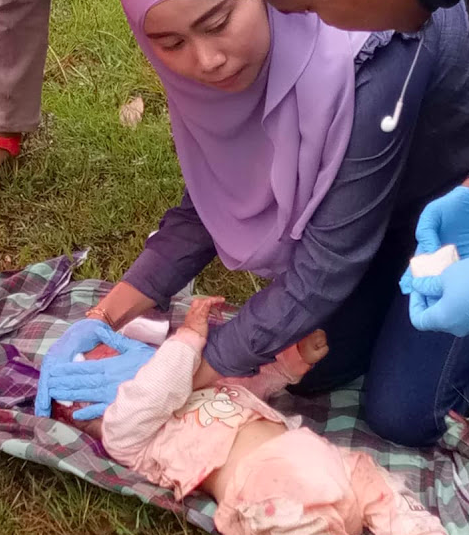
(313, 347)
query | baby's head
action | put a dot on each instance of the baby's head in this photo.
(63, 410)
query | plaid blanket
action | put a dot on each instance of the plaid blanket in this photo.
(37, 305)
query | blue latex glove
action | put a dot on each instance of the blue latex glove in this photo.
(445, 221)
(80, 337)
(97, 381)
(405, 283)
(450, 313)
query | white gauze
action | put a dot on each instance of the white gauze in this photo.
(432, 264)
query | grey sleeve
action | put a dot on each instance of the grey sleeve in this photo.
(173, 256)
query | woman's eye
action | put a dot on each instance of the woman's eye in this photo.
(219, 26)
(172, 46)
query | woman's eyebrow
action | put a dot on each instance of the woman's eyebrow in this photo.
(159, 35)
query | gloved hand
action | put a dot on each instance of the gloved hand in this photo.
(445, 221)
(450, 313)
(82, 336)
(97, 381)
(405, 283)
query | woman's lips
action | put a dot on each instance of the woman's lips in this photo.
(228, 81)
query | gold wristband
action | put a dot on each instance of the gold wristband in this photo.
(102, 313)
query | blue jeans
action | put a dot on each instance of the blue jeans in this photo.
(413, 379)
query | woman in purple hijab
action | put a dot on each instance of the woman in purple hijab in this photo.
(292, 173)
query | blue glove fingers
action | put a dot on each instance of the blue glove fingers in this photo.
(92, 395)
(42, 404)
(428, 227)
(428, 286)
(405, 283)
(81, 337)
(73, 382)
(422, 317)
(89, 413)
(417, 310)
(75, 369)
(119, 342)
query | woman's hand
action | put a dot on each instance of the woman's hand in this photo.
(97, 381)
(442, 303)
(81, 337)
(446, 221)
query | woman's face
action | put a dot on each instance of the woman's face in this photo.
(219, 43)
(401, 15)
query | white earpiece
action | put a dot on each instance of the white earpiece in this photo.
(390, 122)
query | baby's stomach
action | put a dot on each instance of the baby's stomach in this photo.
(249, 438)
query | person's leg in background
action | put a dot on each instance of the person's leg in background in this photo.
(416, 378)
(24, 28)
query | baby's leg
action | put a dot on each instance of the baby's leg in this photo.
(294, 484)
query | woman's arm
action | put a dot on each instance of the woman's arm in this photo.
(327, 264)
(171, 258)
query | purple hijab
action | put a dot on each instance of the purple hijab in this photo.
(258, 163)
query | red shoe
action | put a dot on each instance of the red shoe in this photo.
(11, 144)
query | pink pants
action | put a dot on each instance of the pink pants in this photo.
(24, 28)
(298, 483)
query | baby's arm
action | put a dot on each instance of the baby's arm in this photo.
(289, 366)
(388, 506)
(144, 404)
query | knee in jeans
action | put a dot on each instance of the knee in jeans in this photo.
(392, 421)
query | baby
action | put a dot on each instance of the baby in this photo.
(267, 473)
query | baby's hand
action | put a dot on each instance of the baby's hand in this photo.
(197, 317)
(313, 347)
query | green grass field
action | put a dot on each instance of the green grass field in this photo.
(85, 180)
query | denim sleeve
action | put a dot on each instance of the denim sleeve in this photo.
(346, 231)
(327, 264)
(173, 256)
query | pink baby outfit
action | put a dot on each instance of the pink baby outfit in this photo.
(301, 484)
(176, 437)
(297, 483)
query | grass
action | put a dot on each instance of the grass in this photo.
(35, 500)
(84, 180)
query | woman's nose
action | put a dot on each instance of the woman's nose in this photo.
(209, 57)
